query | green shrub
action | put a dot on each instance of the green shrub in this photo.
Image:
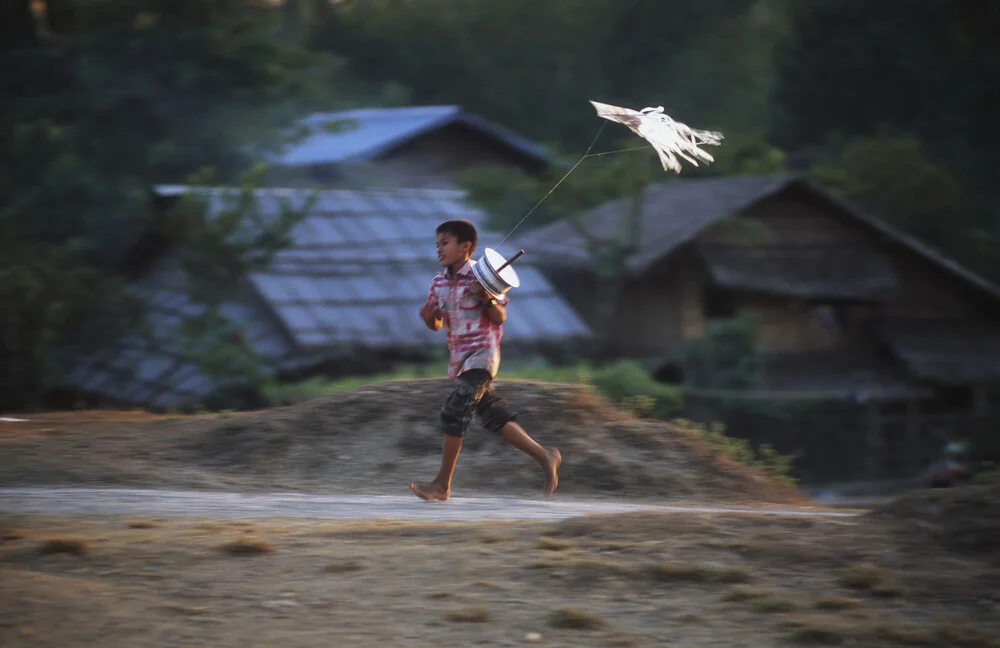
(765, 458)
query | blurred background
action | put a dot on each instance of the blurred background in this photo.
(861, 134)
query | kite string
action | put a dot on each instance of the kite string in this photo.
(584, 157)
(625, 150)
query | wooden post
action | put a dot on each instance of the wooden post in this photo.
(913, 449)
(873, 440)
(980, 402)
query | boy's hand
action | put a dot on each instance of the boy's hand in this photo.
(429, 313)
(480, 293)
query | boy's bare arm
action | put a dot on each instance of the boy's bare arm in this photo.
(496, 312)
(427, 314)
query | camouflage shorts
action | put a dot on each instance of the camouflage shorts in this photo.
(474, 394)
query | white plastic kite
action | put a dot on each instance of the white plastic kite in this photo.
(666, 135)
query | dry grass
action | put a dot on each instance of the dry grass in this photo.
(575, 619)
(837, 603)
(477, 614)
(344, 567)
(746, 594)
(771, 603)
(247, 547)
(637, 579)
(351, 442)
(862, 577)
(73, 546)
(553, 544)
(820, 631)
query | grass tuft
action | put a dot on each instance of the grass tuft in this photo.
(469, 615)
(71, 546)
(247, 547)
(837, 603)
(862, 577)
(554, 544)
(819, 633)
(575, 619)
(771, 604)
(343, 567)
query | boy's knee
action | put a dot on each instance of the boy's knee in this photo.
(452, 424)
(458, 409)
(495, 413)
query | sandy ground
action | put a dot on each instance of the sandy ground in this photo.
(133, 501)
(638, 579)
(185, 570)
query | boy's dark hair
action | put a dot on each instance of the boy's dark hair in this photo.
(462, 230)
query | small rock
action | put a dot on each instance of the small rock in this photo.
(533, 637)
(279, 604)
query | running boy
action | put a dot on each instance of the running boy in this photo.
(473, 321)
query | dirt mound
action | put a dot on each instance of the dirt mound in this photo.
(965, 520)
(380, 437)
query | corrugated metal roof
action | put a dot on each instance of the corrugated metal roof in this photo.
(357, 270)
(151, 369)
(360, 265)
(374, 131)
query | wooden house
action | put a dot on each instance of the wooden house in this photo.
(848, 307)
(413, 146)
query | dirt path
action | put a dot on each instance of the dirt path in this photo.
(76, 501)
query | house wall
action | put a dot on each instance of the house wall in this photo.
(433, 160)
(791, 220)
(667, 304)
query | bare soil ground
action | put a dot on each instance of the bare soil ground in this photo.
(895, 577)
(377, 439)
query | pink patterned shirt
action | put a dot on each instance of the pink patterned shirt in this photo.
(473, 340)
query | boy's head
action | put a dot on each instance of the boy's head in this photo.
(456, 241)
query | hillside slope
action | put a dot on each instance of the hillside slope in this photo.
(377, 439)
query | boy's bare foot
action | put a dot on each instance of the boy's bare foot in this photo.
(432, 491)
(551, 467)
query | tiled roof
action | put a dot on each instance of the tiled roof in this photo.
(354, 277)
(377, 130)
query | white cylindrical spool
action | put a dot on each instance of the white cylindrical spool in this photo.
(495, 283)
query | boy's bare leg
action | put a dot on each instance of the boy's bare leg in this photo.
(440, 488)
(548, 458)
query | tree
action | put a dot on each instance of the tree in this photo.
(891, 175)
(922, 66)
(532, 65)
(111, 98)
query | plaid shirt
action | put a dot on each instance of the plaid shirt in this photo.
(473, 340)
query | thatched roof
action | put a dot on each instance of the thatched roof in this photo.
(946, 351)
(829, 272)
(676, 212)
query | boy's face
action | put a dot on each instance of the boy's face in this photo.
(450, 251)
